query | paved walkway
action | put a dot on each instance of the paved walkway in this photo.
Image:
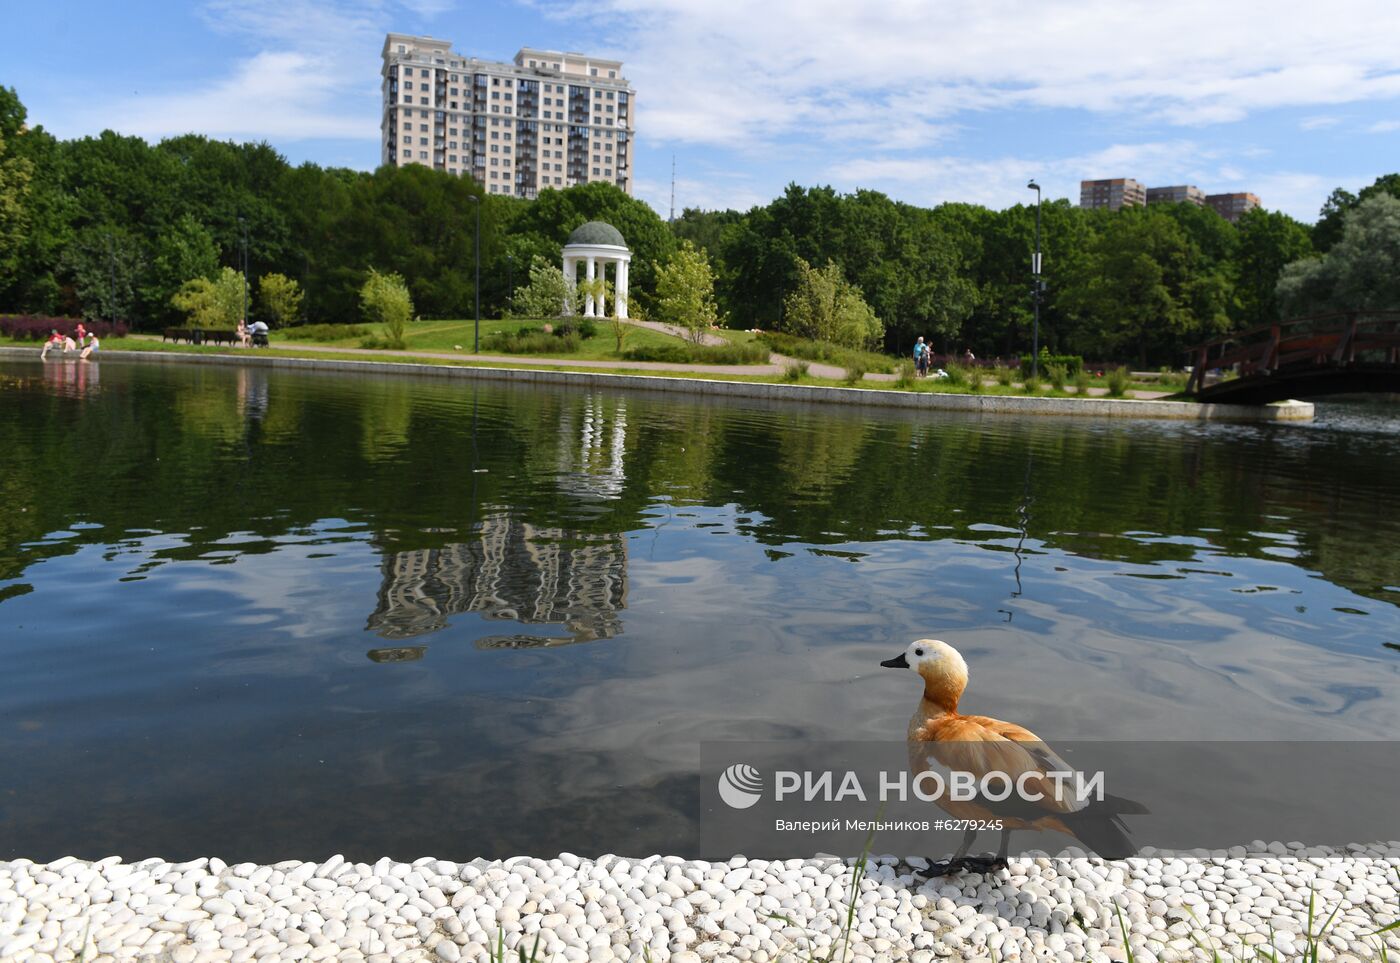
(777, 363)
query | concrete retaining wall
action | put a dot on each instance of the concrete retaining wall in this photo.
(810, 394)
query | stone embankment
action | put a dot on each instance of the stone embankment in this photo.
(666, 908)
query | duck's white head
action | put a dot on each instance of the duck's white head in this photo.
(940, 665)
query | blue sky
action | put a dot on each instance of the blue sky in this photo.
(926, 100)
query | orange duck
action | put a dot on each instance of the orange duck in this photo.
(942, 739)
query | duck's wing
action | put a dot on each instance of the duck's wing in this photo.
(982, 746)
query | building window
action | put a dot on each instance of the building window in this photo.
(593, 71)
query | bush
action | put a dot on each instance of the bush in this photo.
(854, 375)
(1071, 362)
(1118, 380)
(1171, 380)
(1056, 373)
(1031, 385)
(326, 332)
(385, 300)
(684, 352)
(1005, 376)
(975, 385)
(825, 351)
(1081, 382)
(957, 374)
(531, 341)
(795, 370)
(36, 327)
(904, 374)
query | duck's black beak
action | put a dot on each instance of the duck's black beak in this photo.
(898, 662)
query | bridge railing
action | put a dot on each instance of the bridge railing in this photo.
(1334, 339)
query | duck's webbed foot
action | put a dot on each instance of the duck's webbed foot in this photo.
(983, 864)
(962, 864)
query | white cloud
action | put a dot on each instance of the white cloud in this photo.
(726, 72)
(311, 74)
(1321, 122)
(1383, 127)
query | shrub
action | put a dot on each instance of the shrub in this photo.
(684, 352)
(531, 341)
(326, 332)
(1056, 373)
(1081, 382)
(280, 298)
(216, 303)
(975, 384)
(904, 374)
(1118, 380)
(825, 351)
(547, 295)
(1031, 385)
(795, 370)
(1071, 362)
(957, 374)
(1005, 376)
(854, 375)
(1171, 380)
(36, 327)
(385, 300)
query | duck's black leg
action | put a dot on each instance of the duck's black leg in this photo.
(954, 863)
(983, 864)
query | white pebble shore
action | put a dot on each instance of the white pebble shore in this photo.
(666, 908)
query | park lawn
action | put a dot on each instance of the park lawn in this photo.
(453, 335)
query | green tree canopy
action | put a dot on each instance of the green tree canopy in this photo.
(685, 292)
(824, 306)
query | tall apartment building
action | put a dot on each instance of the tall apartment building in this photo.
(1176, 194)
(1112, 193)
(548, 119)
(1231, 206)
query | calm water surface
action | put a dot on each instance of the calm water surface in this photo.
(272, 615)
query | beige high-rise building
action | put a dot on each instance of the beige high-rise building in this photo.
(549, 119)
(1231, 206)
(1112, 193)
(1176, 194)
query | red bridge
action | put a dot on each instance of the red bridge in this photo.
(1345, 352)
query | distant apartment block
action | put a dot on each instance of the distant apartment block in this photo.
(1176, 194)
(1113, 193)
(1120, 192)
(548, 119)
(1231, 206)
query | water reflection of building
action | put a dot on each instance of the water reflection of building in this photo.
(514, 572)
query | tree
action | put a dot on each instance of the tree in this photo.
(280, 298)
(15, 174)
(104, 263)
(826, 307)
(1331, 221)
(1362, 270)
(1269, 241)
(216, 303)
(546, 295)
(385, 300)
(183, 251)
(685, 292)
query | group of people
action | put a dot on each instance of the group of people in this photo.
(82, 341)
(923, 360)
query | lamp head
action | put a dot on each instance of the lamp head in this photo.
(1032, 186)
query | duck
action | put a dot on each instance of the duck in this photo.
(940, 737)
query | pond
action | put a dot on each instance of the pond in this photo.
(272, 615)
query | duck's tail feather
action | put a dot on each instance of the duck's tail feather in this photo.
(1103, 832)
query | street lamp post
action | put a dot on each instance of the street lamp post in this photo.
(510, 284)
(243, 224)
(476, 331)
(112, 279)
(1035, 280)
